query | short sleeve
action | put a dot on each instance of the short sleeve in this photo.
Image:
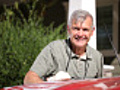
(43, 64)
(100, 64)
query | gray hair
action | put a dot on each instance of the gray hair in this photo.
(79, 15)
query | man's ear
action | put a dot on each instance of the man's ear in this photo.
(93, 29)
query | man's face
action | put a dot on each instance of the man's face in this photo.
(80, 33)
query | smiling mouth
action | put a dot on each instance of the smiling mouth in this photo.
(78, 38)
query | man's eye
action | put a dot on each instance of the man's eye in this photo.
(85, 29)
(75, 28)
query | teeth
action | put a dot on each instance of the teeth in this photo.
(79, 36)
(83, 37)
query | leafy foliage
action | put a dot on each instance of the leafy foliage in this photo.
(20, 43)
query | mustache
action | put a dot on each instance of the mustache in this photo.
(77, 36)
(80, 37)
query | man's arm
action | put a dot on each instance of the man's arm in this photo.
(32, 78)
(101, 63)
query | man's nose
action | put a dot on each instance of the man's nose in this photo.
(80, 32)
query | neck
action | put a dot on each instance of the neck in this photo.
(79, 50)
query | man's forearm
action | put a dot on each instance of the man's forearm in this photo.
(32, 78)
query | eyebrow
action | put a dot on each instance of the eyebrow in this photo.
(77, 28)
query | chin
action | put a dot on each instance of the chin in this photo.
(79, 45)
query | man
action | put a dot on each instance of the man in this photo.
(72, 55)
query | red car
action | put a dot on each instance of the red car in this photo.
(92, 84)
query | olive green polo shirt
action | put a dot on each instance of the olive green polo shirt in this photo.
(58, 56)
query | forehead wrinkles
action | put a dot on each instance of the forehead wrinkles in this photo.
(81, 20)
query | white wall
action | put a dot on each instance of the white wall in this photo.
(89, 5)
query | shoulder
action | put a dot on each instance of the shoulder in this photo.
(56, 43)
(94, 51)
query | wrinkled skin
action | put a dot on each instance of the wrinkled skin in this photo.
(80, 33)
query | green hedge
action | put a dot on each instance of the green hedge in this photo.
(20, 43)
